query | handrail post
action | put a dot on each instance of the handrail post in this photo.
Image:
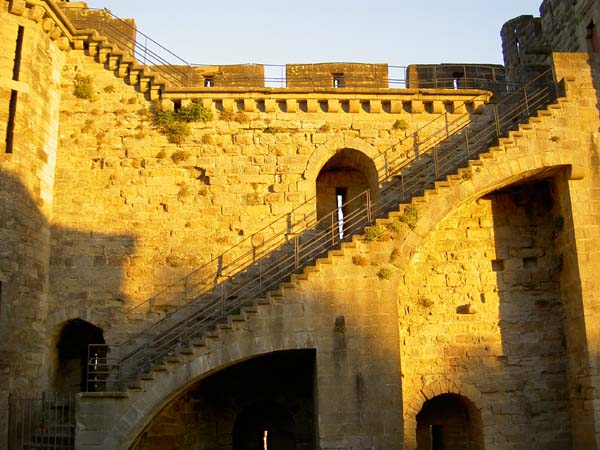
(526, 100)
(402, 184)
(386, 165)
(369, 210)
(147, 361)
(467, 141)
(447, 129)
(223, 297)
(497, 120)
(435, 163)
(333, 225)
(120, 381)
(296, 251)
(260, 275)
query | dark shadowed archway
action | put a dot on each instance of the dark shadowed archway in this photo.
(449, 422)
(265, 400)
(264, 425)
(75, 337)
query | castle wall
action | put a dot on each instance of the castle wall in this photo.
(182, 205)
(524, 47)
(481, 306)
(330, 75)
(571, 26)
(454, 76)
(27, 163)
(563, 26)
(579, 283)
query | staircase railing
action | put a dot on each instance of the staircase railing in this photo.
(264, 270)
(270, 237)
(44, 422)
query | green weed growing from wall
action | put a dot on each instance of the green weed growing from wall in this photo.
(176, 124)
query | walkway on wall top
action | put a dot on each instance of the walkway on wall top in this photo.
(178, 72)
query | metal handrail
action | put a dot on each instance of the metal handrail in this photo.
(177, 71)
(319, 235)
(162, 61)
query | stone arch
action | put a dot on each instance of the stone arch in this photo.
(325, 152)
(342, 183)
(72, 343)
(141, 407)
(444, 386)
(449, 421)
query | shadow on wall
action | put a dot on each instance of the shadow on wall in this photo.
(527, 265)
(267, 399)
(50, 275)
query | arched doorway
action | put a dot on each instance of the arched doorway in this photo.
(264, 426)
(73, 342)
(233, 407)
(340, 182)
(449, 422)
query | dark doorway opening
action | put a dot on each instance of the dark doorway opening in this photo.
(73, 362)
(449, 422)
(263, 402)
(264, 426)
(341, 191)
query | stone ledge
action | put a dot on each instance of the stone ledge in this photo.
(91, 395)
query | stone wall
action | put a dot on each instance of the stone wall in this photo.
(481, 306)
(455, 76)
(563, 26)
(337, 75)
(231, 76)
(26, 199)
(579, 284)
(159, 210)
(526, 53)
(104, 210)
(121, 31)
(213, 411)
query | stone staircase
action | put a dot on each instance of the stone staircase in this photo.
(264, 281)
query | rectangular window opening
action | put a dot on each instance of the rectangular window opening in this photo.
(209, 81)
(338, 80)
(10, 128)
(18, 52)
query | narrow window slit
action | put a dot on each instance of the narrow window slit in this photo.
(10, 129)
(18, 52)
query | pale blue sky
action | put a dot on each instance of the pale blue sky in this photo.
(397, 32)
